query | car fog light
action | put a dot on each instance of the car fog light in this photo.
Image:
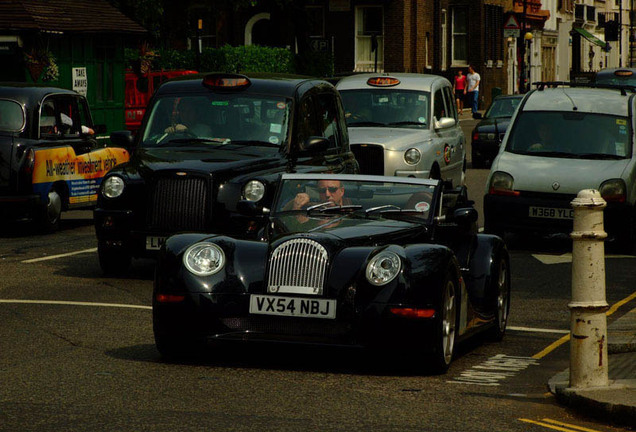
(254, 190)
(204, 259)
(383, 268)
(613, 190)
(113, 187)
(412, 156)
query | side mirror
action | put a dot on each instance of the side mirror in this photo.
(251, 208)
(122, 139)
(316, 144)
(477, 116)
(444, 123)
(465, 216)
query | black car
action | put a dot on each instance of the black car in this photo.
(207, 142)
(489, 132)
(368, 261)
(50, 157)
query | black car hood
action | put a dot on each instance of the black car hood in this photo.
(349, 229)
(230, 158)
(491, 124)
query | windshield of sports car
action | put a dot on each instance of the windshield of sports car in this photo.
(569, 134)
(503, 107)
(218, 119)
(386, 107)
(361, 198)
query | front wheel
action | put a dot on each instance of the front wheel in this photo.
(446, 325)
(501, 290)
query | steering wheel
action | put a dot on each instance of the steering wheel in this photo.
(183, 133)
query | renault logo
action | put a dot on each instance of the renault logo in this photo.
(556, 185)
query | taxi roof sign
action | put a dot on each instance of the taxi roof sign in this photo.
(226, 81)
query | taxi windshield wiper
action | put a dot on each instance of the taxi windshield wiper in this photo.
(193, 141)
(599, 156)
(561, 154)
(365, 123)
(256, 143)
(407, 123)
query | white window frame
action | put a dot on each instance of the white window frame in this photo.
(250, 26)
(444, 39)
(367, 66)
(458, 62)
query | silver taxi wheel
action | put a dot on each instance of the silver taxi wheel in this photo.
(449, 318)
(53, 207)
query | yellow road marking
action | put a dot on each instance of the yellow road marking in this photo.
(549, 426)
(621, 303)
(581, 428)
(554, 345)
(557, 425)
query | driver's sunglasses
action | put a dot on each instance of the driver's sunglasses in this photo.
(332, 189)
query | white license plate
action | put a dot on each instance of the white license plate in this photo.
(154, 242)
(292, 306)
(551, 213)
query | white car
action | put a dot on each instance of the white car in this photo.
(405, 125)
(565, 138)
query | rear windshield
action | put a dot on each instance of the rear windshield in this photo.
(11, 116)
(571, 135)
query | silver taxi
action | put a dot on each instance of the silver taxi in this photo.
(404, 124)
(562, 139)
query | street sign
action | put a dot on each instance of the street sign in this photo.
(511, 23)
(512, 33)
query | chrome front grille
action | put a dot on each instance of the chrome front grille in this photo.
(298, 266)
(179, 203)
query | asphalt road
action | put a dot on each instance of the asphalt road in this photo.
(77, 354)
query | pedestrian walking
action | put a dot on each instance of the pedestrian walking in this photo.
(459, 87)
(472, 85)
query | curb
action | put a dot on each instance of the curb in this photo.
(595, 402)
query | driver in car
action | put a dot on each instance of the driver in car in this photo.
(329, 190)
(191, 120)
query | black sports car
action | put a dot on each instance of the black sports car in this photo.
(344, 259)
(489, 132)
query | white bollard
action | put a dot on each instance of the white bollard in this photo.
(588, 343)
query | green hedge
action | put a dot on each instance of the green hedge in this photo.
(243, 59)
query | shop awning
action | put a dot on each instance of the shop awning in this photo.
(589, 36)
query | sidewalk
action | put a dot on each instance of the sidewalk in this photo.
(615, 403)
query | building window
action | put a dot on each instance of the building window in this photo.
(459, 30)
(316, 21)
(369, 26)
(494, 33)
(444, 40)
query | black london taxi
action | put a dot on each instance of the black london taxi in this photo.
(50, 159)
(208, 142)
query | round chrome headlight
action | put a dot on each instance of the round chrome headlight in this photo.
(412, 156)
(204, 259)
(113, 187)
(383, 268)
(254, 190)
